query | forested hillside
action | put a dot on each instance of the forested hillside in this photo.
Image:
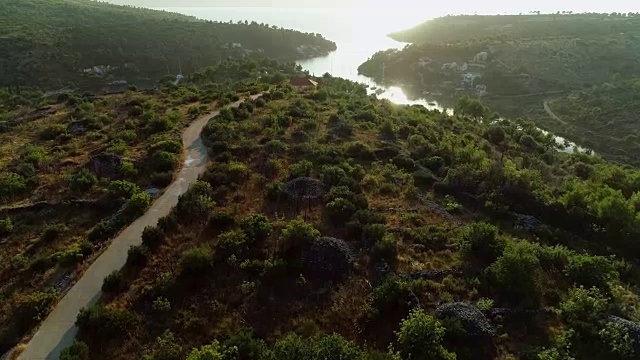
(514, 63)
(605, 117)
(78, 168)
(332, 225)
(71, 43)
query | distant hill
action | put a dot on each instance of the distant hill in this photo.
(516, 63)
(48, 43)
(518, 27)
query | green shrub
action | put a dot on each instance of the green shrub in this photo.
(117, 146)
(366, 217)
(341, 191)
(152, 236)
(584, 309)
(6, 227)
(128, 169)
(53, 232)
(18, 262)
(590, 271)
(334, 347)
(215, 351)
(35, 155)
(69, 257)
(257, 227)
(373, 233)
(233, 242)
(222, 220)
(137, 255)
(480, 241)
(173, 146)
(300, 169)
(276, 147)
(100, 322)
(76, 351)
(332, 175)
(237, 171)
(138, 204)
(34, 307)
(296, 233)
(359, 150)
(52, 132)
(113, 282)
(275, 192)
(81, 181)
(339, 211)
(163, 161)
(161, 304)
(102, 231)
(420, 338)
(196, 260)
(12, 185)
(515, 273)
(121, 189)
(386, 249)
(161, 179)
(166, 347)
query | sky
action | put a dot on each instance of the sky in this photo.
(453, 7)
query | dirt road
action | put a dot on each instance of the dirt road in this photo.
(59, 330)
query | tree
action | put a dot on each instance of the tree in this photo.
(11, 185)
(76, 351)
(472, 108)
(480, 241)
(515, 273)
(420, 338)
(196, 260)
(215, 351)
(81, 181)
(296, 233)
(6, 227)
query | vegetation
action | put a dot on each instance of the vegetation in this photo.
(538, 256)
(41, 49)
(573, 74)
(65, 195)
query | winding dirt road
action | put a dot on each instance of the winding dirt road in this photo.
(59, 330)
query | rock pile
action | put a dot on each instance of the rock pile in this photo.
(632, 327)
(106, 164)
(327, 259)
(433, 274)
(305, 188)
(527, 223)
(470, 317)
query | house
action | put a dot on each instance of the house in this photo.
(302, 82)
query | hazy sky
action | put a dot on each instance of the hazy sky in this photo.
(439, 6)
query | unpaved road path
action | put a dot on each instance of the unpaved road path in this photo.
(553, 115)
(59, 330)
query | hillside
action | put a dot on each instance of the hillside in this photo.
(76, 169)
(518, 27)
(332, 225)
(81, 43)
(513, 63)
(604, 116)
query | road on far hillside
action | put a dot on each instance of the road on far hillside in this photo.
(58, 330)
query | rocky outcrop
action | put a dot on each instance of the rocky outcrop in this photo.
(327, 259)
(106, 164)
(433, 274)
(305, 188)
(476, 325)
(633, 328)
(527, 223)
(78, 127)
